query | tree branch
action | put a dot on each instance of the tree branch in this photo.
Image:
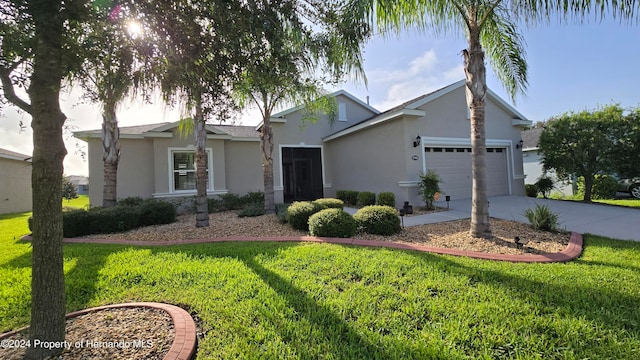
(9, 90)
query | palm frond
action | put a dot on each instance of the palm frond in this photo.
(504, 46)
(534, 11)
(186, 127)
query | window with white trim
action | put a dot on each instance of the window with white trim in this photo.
(183, 169)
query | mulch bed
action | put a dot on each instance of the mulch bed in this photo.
(119, 334)
(451, 234)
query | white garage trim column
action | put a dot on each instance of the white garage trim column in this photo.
(430, 141)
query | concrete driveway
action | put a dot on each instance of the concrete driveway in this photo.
(611, 221)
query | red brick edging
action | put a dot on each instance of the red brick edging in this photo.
(572, 251)
(184, 341)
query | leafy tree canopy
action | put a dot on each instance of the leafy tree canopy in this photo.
(581, 143)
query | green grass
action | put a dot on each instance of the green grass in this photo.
(635, 203)
(626, 202)
(81, 202)
(308, 301)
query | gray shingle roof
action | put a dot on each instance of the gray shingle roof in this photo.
(139, 129)
(233, 130)
(531, 137)
(239, 131)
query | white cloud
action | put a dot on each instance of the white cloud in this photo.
(423, 74)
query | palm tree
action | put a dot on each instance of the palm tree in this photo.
(490, 27)
(199, 53)
(287, 53)
(107, 78)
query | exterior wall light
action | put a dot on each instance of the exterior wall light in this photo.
(416, 142)
(519, 144)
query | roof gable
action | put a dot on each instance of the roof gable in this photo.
(333, 94)
(279, 117)
(412, 108)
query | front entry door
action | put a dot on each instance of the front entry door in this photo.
(302, 174)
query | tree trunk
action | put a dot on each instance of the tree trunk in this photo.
(47, 275)
(266, 145)
(202, 208)
(588, 186)
(476, 89)
(110, 155)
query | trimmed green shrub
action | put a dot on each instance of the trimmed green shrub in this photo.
(77, 223)
(542, 218)
(231, 202)
(332, 223)
(604, 187)
(215, 205)
(544, 186)
(114, 219)
(281, 213)
(387, 199)
(349, 197)
(531, 190)
(299, 212)
(254, 197)
(228, 202)
(330, 203)
(251, 210)
(366, 198)
(131, 201)
(378, 220)
(100, 220)
(154, 212)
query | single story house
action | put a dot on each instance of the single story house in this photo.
(15, 182)
(532, 162)
(363, 149)
(81, 183)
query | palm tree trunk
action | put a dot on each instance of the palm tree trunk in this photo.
(47, 276)
(266, 145)
(110, 155)
(476, 89)
(202, 208)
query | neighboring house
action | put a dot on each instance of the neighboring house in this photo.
(532, 162)
(81, 183)
(363, 150)
(15, 182)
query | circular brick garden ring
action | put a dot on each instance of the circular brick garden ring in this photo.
(184, 341)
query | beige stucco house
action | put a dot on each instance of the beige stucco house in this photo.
(363, 149)
(15, 182)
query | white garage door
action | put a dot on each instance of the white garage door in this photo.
(453, 164)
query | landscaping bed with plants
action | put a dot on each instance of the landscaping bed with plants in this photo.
(451, 234)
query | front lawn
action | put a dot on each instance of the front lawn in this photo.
(626, 201)
(81, 202)
(289, 300)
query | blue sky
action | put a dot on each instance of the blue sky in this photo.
(571, 67)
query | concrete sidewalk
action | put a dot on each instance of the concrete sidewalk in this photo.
(611, 221)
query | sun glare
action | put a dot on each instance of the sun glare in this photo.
(134, 28)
